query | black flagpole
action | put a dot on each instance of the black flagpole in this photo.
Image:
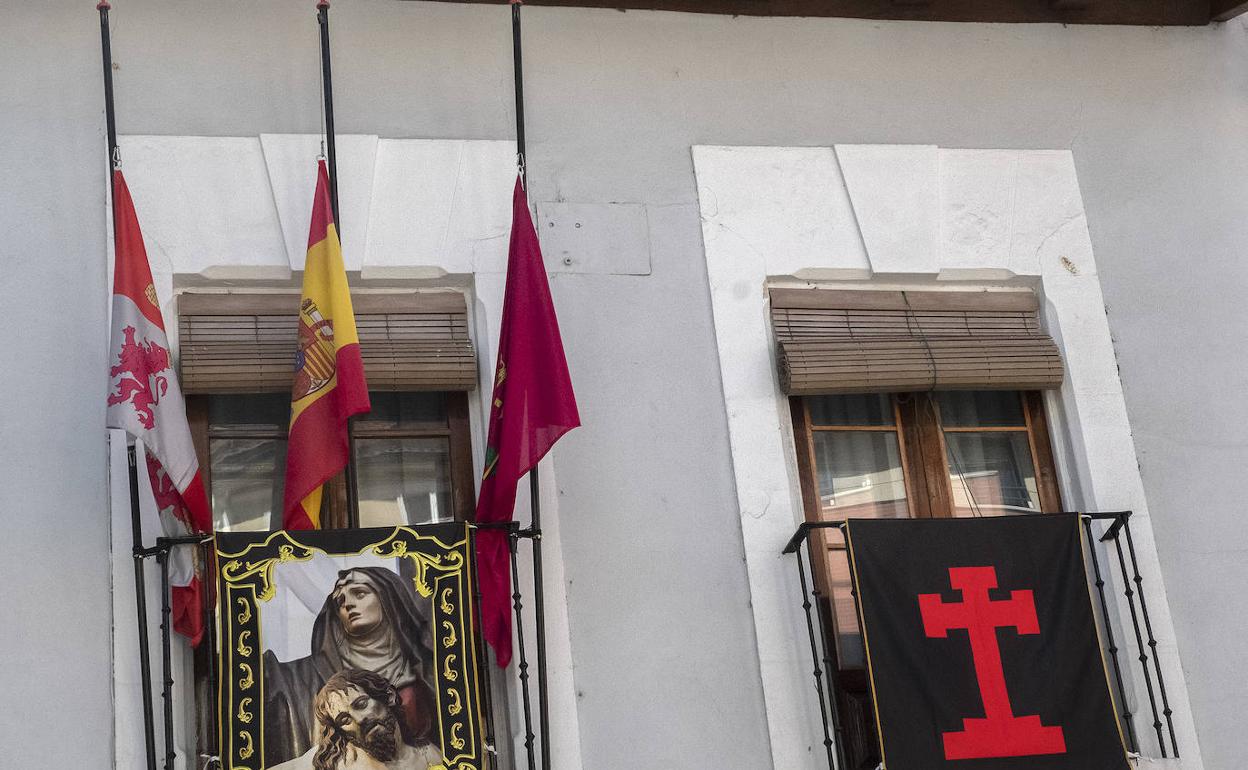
(136, 523)
(327, 85)
(539, 599)
(518, 72)
(331, 159)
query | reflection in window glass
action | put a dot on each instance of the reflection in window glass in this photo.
(991, 473)
(247, 482)
(849, 647)
(403, 481)
(860, 475)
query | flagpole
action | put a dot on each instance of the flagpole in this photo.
(136, 522)
(331, 159)
(535, 503)
(518, 73)
(327, 86)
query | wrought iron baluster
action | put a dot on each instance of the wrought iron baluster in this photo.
(523, 665)
(814, 656)
(862, 630)
(1109, 638)
(212, 740)
(1152, 641)
(1139, 640)
(830, 671)
(166, 691)
(484, 658)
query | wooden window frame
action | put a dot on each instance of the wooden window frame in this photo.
(921, 438)
(457, 431)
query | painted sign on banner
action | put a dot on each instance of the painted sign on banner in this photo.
(349, 649)
(982, 645)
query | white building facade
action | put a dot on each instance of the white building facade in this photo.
(681, 167)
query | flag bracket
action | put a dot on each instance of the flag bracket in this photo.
(1117, 532)
(166, 544)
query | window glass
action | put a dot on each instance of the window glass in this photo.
(249, 412)
(860, 474)
(850, 651)
(247, 482)
(402, 453)
(981, 408)
(403, 480)
(405, 410)
(988, 452)
(991, 473)
(854, 409)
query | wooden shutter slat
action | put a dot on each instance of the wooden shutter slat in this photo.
(246, 343)
(832, 341)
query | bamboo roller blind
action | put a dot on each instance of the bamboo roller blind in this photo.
(832, 341)
(246, 343)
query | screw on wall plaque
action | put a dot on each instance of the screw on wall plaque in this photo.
(567, 260)
(578, 225)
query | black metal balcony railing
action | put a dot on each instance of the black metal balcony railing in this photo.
(1116, 530)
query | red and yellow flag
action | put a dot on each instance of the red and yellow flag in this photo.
(329, 373)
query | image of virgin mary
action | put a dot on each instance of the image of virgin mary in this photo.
(370, 621)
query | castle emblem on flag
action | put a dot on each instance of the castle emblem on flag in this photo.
(141, 366)
(316, 360)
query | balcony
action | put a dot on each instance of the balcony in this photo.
(1120, 603)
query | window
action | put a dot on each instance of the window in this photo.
(412, 456)
(990, 453)
(412, 453)
(950, 453)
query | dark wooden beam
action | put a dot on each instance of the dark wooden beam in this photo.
(1225, 10)
(1128, 12)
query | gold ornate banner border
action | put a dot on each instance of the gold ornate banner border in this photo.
(442, 561)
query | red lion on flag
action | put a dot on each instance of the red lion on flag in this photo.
(140, 368)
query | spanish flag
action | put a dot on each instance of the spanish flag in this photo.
(329, 382)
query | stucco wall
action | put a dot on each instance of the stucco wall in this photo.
(664, 658)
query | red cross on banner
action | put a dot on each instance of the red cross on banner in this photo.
(999, 733)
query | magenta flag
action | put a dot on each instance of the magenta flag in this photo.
(532, 406)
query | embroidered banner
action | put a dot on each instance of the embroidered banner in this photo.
(982, 646)
(349, 649)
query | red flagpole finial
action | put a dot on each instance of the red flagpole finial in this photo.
(516, 2)
(322, 4)
(103, 6)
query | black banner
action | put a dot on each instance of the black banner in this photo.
(349, 649)
(982, 645)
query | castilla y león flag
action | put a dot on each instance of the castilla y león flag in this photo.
(531, 407)
(145, 401)
(982, 645)
(329, 382)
